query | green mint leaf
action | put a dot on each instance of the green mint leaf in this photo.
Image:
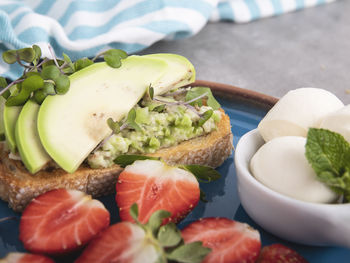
(169, 235)
(197, 92)
(156, 220)
(329, 154)
(82, 63)
(125, 160)
(204, 174)
(189, 253)
(205, 116)
(9, 56)
(134, 212)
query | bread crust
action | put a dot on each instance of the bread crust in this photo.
(18, 187)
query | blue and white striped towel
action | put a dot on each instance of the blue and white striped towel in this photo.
(86, 27)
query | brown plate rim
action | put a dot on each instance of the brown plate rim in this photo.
(235, 93)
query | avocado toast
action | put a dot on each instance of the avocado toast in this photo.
(59, 141)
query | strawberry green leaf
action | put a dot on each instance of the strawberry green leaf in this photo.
(197, 92)
(134, 212)
(169, 235)
(189, 253)
(127, 159)
(329, 154)
(156, 220)
(204, 174)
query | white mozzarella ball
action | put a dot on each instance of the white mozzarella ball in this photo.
(338, 121)
(297, 111)
(281, 165)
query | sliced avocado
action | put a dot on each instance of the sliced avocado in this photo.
(2, 128)
(70, 126)
(28, 142)
(10, 118)
(181, 72)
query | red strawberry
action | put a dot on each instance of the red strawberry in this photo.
(154, 185)
(128, 242)
(120, 243)
(230, 241)
(278, 253)
(16, 257)
(60, 221)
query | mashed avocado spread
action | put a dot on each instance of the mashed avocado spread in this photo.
(162, 125)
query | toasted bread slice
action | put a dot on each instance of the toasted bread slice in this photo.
(18, 187)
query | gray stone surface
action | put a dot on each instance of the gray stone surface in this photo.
(310, 47)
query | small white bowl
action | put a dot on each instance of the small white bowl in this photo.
(285, 217)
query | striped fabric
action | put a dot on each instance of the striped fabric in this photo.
(85, 27)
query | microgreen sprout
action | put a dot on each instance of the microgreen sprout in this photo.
(43, 76)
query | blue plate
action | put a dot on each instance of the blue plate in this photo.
(245, 112)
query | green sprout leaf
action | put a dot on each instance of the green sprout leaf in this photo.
(189, 253)
(82, 63)
(159, 108)
(130, 120)
(113, 57)
(156, 220)
(113, 125)
(204, 174)
(197, 92)
(205, 116)
(9, 56)
(29, 85)
(26, 54)
(50, 72)
(40, 95)
(169, 235)
(329, 154)
(127, 159)
(62, 84)
(37, 56)
(69, 68)
(3, 85)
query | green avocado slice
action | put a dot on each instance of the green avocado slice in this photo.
(70, 126)
(181, 72)
(28, 142)
(10, 116)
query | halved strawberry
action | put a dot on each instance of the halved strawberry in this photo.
(16, 257)
(123, 242)
(230, 241)
(278, 253)
(152, 242)
(154, 185)
(60, 221)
